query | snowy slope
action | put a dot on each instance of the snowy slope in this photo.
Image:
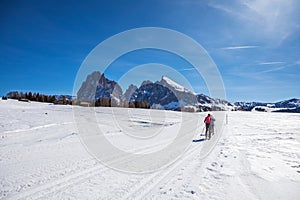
(42, 157)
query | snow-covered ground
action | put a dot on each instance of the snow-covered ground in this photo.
(42, 156)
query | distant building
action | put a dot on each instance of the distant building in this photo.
(85, 104)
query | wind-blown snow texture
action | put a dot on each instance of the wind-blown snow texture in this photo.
(41, 156)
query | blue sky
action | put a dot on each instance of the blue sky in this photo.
(255, 44)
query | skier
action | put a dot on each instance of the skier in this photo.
(207, 123)
(212, 125)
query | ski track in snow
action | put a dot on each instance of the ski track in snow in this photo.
(41, 157)
(59, 185)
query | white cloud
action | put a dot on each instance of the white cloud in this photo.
(271, 63)
(273, 20)
(278, 68)
(274, 69)
(187, 69)
(239, 47)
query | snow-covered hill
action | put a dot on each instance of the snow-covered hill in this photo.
(42, 156)
(292, 105)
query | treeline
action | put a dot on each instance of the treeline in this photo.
(102, 102)
(29, 96)
(139, 104)
(108, 102)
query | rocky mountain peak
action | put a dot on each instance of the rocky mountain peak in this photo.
(97, 86)
(146, 82)
(88, 87)
(168, 94)
(128, 93)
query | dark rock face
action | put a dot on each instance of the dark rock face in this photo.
(88, 88)
(108, 89)
(97, 86)
(128, 93)
(154, 93)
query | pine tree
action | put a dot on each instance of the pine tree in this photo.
(29, 96)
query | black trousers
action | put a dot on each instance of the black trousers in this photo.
(207, 131)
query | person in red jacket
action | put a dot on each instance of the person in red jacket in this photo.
(207, 123)
(212, 125)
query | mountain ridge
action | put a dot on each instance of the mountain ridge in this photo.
(169, 95)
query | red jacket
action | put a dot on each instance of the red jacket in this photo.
(207, 120)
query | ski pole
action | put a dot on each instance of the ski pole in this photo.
(202, 130)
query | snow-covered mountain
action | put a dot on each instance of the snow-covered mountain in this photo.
(291, 105)
(97, 86)
(184, 96)
(206, 103)
(167, 94)
(108, 88)
(155, 94)
(247, 106)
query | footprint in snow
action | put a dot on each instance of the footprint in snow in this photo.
(190, 191)
(296, 166)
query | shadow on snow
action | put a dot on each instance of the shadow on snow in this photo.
(199, 140)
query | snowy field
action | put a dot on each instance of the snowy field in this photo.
(42, 156)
